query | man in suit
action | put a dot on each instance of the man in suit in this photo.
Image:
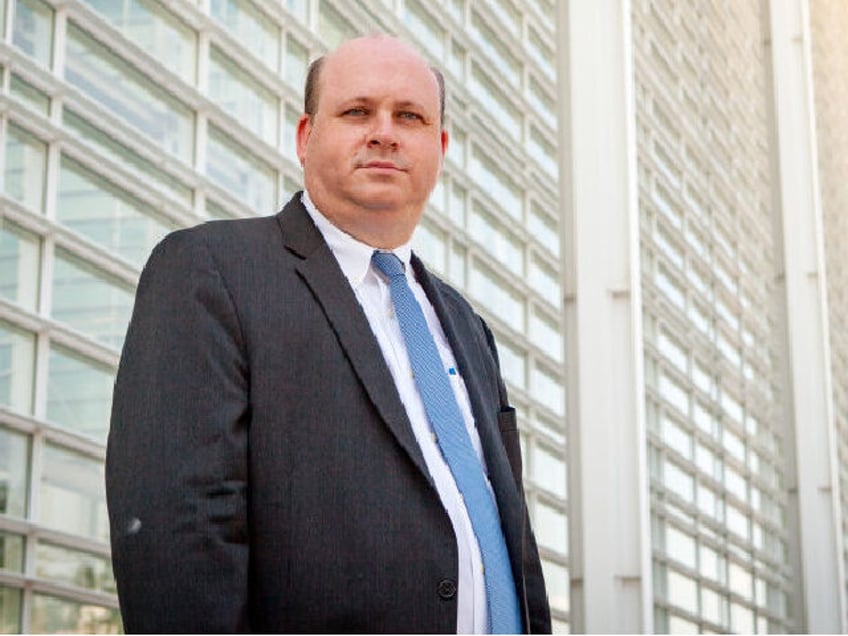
(274, 464)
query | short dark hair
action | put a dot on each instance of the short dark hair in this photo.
(313, 76)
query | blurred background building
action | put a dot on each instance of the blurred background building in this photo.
(646, 199)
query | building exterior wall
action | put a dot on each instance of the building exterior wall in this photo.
(830, 81)
(124, 119)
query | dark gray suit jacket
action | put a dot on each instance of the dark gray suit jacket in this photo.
(261, 471)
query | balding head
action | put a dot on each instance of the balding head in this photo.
(312, 89)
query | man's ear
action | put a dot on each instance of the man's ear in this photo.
(304, 129)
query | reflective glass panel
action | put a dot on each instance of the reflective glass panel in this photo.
(89, 300)
(155, 30)
(297, 61)
(546, 335)
(543, 228)
(102, 212)
(25, 166)
(11, 552)
(56, 615)
(250, 103)
(430, 243)
(544, 280)
(549, 469)
(548, 390)
(74, 567)
(490, 178)
(14, 472)
(73, 495)
(20, 253)
(32, 31)
(551, 527)
(494, 293)
(333, 28)
(121, 154)
(79, 393)
(249, 25)
(28, 94)
(513, 364)
(557, 584)
(17, 368)
(504, 61)
(496, 103)
(128, 93)
(425, 28)
(236, 169)
(10, 610)
(494, 237)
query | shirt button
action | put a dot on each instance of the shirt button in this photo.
(447, 589)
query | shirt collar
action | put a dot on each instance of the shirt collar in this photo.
(353, 256)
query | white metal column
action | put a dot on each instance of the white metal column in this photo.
(610, 559)
(816, 540)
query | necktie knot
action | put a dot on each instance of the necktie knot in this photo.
(387, 263)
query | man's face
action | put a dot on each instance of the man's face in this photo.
(372, 151)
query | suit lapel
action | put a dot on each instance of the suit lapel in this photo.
(321, 273)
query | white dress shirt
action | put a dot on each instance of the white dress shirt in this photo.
(372, 291)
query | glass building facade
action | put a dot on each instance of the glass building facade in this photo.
(122, 120)
(125, 119)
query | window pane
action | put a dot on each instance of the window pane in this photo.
(425, 28)
(430, 244)
(551, 527)
(494, 293)
(17, 368)
(332, 27)
(544, 280)
(496, 102)
(122, 155)
(79, 394)
(556, 581)
(32, 31)
(29, 95)
(237, 170)
(513, 364)
(14, 473)
(73, 494)
(75, 567)
(549, 469)
(544, 228)
(548, 390)
(493, 236)
(100, 211)
(545, 334)
(19, 265)
(11, 553)
(493, 180)
(253, 105)
(26, 162)
(119, 87)
(10, 610)
(55, 615)
(504, 61)
(156, 31)
(90, 301)
(247, 24)
(297, 60)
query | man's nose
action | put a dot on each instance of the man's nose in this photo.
(382, 132)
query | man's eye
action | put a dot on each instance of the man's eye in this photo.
(356, 112)
(410, 116)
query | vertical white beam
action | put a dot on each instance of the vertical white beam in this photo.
(814, 495)
(611, 589)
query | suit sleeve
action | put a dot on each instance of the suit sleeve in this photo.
(176, 465)
(537, 613)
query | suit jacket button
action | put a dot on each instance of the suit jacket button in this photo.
(447, 589)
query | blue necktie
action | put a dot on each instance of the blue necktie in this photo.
(449, 426)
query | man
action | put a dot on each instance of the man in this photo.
(277, 460)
